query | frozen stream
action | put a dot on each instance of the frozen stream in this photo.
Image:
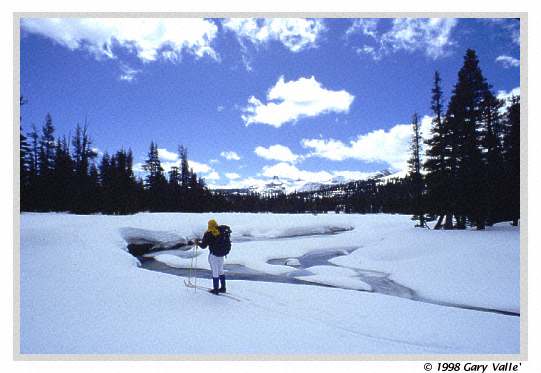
(379, 281)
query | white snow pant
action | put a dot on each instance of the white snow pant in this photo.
(216, 264)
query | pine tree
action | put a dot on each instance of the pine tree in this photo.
(93, 189)
(184, 166)
(153, 167)
(30, 202)
(174, 189)
(106, 184)
(34, 152)
(437, 160)
(511, 155)
(47, 147)
(414, 167)
(24, 163)
(46, 166)
(62, 176)
(124, 182)
(155, 180)
(83, 157)
(464, 116)
(491, 143)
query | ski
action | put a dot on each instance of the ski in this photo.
(206, 289)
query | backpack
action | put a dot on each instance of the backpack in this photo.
(222, 246)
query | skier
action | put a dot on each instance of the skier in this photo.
(217, 239)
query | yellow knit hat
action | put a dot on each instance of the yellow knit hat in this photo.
(213, 228)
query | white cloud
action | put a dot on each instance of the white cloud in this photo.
(506, 97)
(212, 176)
(167, 165)
(371, 51)
(149, 38)
(128, 73)
(390, 146)
(213, 161)
(367, 26)
(295, 34)
(197, 167)
(508, 61)
(432, 35)
(200, 167)
(166, 155)
(425, 127)
(239, 183)
(220, 108)
(289, 101)
(295, 177)
(288, 171)
(354, 175)
(169, 159)
(232, 175)
(230, 156)
(97, 151)
(276, 152)
(290, 177)
(429, 35)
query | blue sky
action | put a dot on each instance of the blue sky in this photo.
(302, 99)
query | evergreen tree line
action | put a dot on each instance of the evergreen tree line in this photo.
(469, 175)
(64, 174)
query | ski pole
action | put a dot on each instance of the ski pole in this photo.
(195, 270)
(191, 268)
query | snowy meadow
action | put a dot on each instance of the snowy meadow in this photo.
(305, 285)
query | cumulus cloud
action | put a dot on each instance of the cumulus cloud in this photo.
(429, 35)
(166, 155)
(289, 101)
(391, 147)
(200, 167)
(367, 26)
(295, 34)
(230, 156)
(508, 61)
(212, 176)
(433, 35)
(289, 171)
(150, 39)
(276, 152)
(290, 176)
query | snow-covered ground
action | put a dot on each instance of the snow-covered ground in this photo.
(82, 293)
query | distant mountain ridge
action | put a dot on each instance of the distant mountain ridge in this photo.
(276, 186)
